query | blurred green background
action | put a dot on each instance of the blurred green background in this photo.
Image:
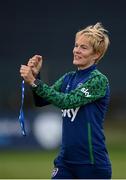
(39, 164)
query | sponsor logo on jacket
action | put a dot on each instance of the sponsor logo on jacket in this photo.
(86, 92)
(70, 113)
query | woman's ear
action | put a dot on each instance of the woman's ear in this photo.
(96, 56)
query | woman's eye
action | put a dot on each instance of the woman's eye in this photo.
(83, 47)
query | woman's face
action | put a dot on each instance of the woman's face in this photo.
(83, 52)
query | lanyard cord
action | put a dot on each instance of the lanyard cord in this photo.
(21, 116)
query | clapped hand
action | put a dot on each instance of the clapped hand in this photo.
(27, 74)
(35, 63)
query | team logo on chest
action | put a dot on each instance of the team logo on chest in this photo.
(79, 84)
(70, 113)
(68, 86)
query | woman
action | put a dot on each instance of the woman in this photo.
(83, 96)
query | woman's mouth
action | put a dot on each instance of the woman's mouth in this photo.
(76, 57)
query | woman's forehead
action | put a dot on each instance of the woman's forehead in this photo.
(82, 39)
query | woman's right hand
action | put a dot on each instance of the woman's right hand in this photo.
(35, 63)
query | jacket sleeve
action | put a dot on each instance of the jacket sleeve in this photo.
(41, 101)
(93, 89)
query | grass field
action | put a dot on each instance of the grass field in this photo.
(38, 164)
(33, 165)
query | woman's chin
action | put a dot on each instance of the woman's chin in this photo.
(75, 63)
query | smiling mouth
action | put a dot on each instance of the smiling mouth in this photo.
(76, 57)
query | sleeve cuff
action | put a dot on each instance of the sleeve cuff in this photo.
(36, 83)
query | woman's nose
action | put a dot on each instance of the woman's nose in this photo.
(77, 49)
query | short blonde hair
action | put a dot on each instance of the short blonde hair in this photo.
(98, 37)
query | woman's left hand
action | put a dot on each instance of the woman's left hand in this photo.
(27, 75)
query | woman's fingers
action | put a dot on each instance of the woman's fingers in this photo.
(25, 70)
(34, 61)
(26, 73)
